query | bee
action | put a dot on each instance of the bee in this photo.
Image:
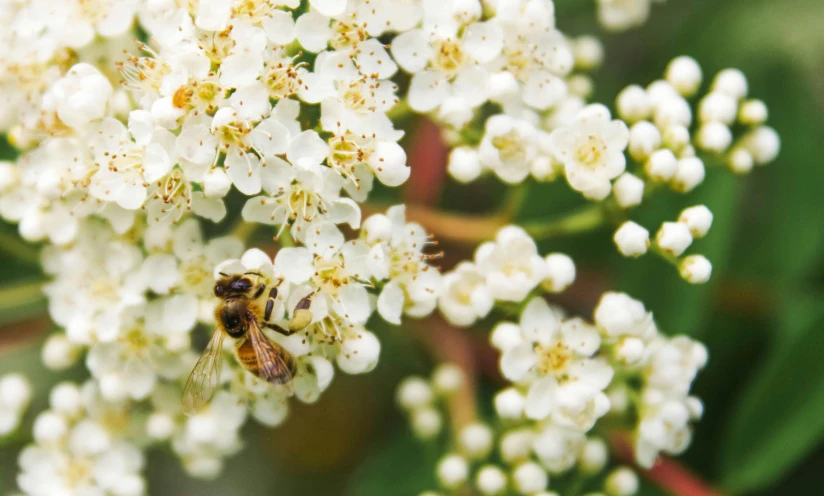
(240, 316)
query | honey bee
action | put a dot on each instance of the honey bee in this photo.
(240, 316)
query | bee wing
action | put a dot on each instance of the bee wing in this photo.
(274, 362)
(204, 377)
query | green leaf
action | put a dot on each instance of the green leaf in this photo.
(401, 466)
(781, 414)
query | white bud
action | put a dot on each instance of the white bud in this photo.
(673, 238)
(204, 467)
(8, 175)
(631, 239)
(58, 352)
(695, 406)
(633, 104)
(530, 477)
(580, 85)
(644, 138)
(490, 480)
(629, 350)
(15, 391)
(476, 440)
(509, 404)
(560, 272)
(447, 378)
(622, 481)
(49, 427)
(684, 74)
(718, 107)
(505, 335)
(618, 399)
(453, 471)
(660, 91)
(516, 445)
(593, 456)
(661, 165)
(695, 269)
(464, 165)
(628, 190)
(732, 82)
(676, 138)
(741, 161)
(673, 112)
(714, 137)
(426, 422)
(588, 52)
(764, 144)
(753, 113)
(698, 219)
(160, 426)
(65, 398)
(689, 174)
(414, 392)
(542, 169)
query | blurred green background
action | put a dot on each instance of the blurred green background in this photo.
(761, 315)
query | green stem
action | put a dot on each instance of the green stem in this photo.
(667, 257)
(243, 230)
(19, 249)
(20, 295)
(586, 219)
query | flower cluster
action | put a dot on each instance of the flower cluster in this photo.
(281, 116)
(566, 377)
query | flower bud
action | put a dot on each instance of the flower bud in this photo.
(673, 238)
(622, 482)
(689, 174)
(447, 378)
(509, 404)
(560, 272)
(490, 480)
(505, 335)
(59, 353)
(160, 426)
(644, 138)
(661, 165)
(15, 391)
(698, 219)
(714, 137)
(516, 445)
(593, 456)
(426, 422)
(741, 161)
(753, 113)
(463, 165)
(684, 74)
(453, 471)
(65, 399)
(475, 440)
(732, 82)
(631, 239)
(764, 144)
(628, 190)
(695, 269)
(588, 52)
(633, 104)
(414, 392)
(718, 107)
(49, 427)
(529, 477)
(629, 350)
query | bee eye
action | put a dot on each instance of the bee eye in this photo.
(219, 290)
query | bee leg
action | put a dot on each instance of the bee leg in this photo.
(259, 291)
(278, 328)
(270, 303)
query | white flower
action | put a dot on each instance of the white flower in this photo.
(529, 478)
(592, 151)
(673, 238)
(397, 255)
(15, 394)
(663, 426)
(620, 15)
(557, 448)
(475, 440)
(695, 269)
(490, 480)
(698, 219)
(555, 357)
(618, 315)
(81, 96)
(465, 297)
(560, 272)
(509, 147)
(453, 470)
(622, 481)
(684, 74)
(447, 68)
(628, 190)
(510, 264)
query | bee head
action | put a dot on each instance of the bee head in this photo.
(233, 317)
(232, 285)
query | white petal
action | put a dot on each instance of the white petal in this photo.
(412, 51)
(472, 85)
(160, 271)
(540, 398)
(197, 144)
(329, 8)
(240, 69)
(251, 102)
(312, 31)
(390, 303)
(538, 321)
(270, 137)
(244, 171)
(517, 361)
(427, 90)
(141, 126)
(295, 264)
(307, 146)
(388, 162)
(324, 237)
(279, 27)
(210, 208)
(373, 59)
(483, 41)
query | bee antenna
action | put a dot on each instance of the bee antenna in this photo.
(223, 274)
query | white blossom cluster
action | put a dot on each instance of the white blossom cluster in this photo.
(622, 15)
(565, 376)
(288, 109)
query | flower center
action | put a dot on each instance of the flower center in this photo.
(347, 34)
(449, 58)
(590, 152)
(330, 274)
(554, 358)
(510, 146)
